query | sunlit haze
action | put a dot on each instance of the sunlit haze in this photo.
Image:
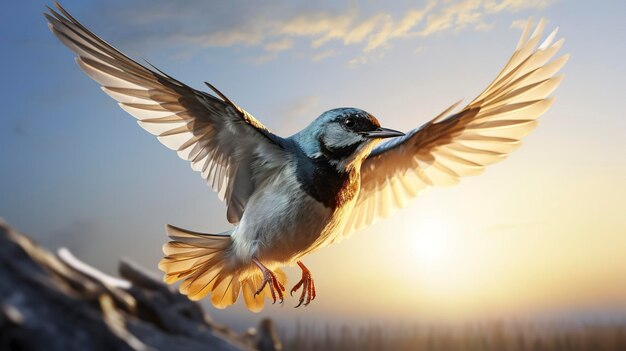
(539, 235)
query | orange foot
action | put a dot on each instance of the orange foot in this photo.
(276, 288)
(307, 284)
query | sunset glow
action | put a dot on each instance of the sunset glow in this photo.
(432, 243)
(541, 234)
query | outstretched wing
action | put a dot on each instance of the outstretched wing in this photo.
(220, 139)
(462, 144)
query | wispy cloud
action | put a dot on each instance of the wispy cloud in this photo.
(495, 6)
(472, 13)
(276, 29)
(290, 115)
(519, 24)
(323, 55)
(454, 16)
(320, 27)
(365, 58)
(279, 45)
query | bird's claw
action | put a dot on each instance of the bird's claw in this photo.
(276, 288)
(308, 287)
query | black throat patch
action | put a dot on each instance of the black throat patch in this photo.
(319, 178)
(338, 154)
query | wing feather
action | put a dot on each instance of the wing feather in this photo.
(216, 136)
(462, 144)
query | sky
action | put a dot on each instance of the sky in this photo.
(540, 235)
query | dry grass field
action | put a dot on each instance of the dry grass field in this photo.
(494, 336)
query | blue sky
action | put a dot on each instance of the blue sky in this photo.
(78, 172)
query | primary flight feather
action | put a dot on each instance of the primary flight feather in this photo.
(287, 197)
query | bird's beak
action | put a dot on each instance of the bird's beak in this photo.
(381, 133)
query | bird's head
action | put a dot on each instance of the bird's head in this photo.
(343, 136)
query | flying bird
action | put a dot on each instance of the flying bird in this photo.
(289, 196)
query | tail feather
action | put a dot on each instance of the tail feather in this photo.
(177, 269)
(200, 283)
(201, 261)
(194, 238)
(176, 249)
(248, 287)
(226, 292)
(198, 259)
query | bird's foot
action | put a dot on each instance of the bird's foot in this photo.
(269, 278)
(307, 284)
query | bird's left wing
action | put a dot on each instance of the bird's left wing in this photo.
(219, 138)
(462, 144)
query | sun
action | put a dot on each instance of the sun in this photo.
(432, 242)
(439, 259)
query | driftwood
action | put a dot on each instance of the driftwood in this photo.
(56, 302)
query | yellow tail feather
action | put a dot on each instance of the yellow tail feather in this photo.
(201, 261)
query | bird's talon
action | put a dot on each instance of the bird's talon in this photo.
(307, 285)
(269, 278)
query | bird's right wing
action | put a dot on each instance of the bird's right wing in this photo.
(220, 139)
(451, 146)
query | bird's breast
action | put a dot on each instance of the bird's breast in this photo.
(296, 210)
(281, 220)
(325, 183)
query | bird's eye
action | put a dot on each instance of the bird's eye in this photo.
(349, 122)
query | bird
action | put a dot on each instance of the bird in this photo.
(287, 197)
